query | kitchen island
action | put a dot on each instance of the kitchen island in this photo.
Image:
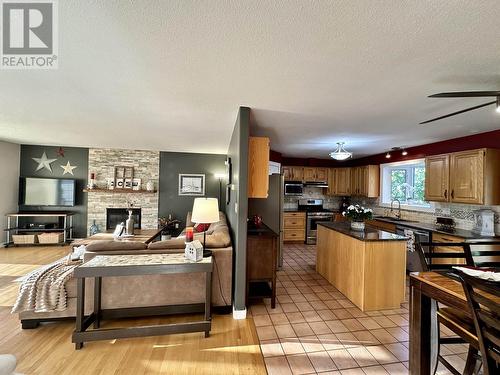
(368, 267)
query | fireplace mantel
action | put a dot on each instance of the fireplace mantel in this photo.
(119, 191)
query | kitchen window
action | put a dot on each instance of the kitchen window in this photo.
(404, 181)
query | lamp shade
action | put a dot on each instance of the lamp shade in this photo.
(205, 210)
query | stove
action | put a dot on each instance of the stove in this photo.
(315, 213)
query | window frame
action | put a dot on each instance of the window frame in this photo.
(385, 184)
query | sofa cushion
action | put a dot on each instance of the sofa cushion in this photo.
(217, 236)
(174, 243)
(108, 245)
(200, 227)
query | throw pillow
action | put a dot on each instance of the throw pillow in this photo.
(199, 228)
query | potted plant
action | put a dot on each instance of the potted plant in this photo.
(169, 226)
(357, 215)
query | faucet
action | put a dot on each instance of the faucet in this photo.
(398, 214)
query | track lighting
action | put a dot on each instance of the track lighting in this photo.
(404, 152)
(388, 155)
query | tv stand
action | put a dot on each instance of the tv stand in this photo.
(13, 225)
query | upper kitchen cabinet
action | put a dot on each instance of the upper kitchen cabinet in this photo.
(321, 174)
(287, 173)
(464, 177)
(258, 167)
(475, 176)
(312, 174)
(365, 181)
(293, 173)
(342, 181)
(437, 174)
(330, 190)
(309, 174)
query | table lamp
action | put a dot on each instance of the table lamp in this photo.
(205, 211)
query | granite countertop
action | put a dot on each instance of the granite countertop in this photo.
(467, 234)
(369, 234)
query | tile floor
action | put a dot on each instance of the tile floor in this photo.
(314, 329)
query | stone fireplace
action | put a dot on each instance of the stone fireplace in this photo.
(146, 165)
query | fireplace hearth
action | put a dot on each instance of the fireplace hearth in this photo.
(115, 216)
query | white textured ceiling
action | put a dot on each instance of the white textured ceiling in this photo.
(170, 75)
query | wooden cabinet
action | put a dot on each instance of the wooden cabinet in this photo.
(262, 259)
(464, 177)
(305, 174)
(298, 173)
(294, 226)
(342, 181)
(437, 178)
(258, 167)
(331, 181)
(365, 181)
(287, 173)
(309, 174)
(293, 173)
(356, 180)
(321, 174)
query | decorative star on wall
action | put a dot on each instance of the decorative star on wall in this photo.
(68, 168)
(44, 162)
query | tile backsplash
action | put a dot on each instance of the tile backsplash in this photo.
(311, 192)
(462, 214)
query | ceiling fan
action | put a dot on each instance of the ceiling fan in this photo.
(467, 94)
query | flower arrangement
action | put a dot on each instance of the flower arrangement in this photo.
(358, 213)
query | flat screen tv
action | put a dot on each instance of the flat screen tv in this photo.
(47, 192)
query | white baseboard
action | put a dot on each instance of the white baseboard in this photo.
(239, 314)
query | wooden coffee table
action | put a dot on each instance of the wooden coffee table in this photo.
(132, 265)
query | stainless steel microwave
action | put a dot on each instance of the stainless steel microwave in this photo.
(294, 188)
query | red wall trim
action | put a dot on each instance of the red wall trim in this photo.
(484, 140)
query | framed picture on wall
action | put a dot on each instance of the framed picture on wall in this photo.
(191, 184)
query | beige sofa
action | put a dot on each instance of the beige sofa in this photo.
(153, 290)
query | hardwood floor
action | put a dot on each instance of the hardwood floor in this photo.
(232, 348)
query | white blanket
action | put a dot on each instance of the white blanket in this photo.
(44, 289)
(485, 275)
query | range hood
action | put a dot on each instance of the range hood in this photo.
(316, 184)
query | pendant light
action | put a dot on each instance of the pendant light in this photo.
(340, 153)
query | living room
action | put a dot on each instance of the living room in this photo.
(249, 187)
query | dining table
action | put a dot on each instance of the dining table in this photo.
(444, 288)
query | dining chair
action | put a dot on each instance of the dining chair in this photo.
(486, 316)
(455, 320)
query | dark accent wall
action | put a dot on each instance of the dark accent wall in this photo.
(237, 209)
(174, 163)
(76, 156)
